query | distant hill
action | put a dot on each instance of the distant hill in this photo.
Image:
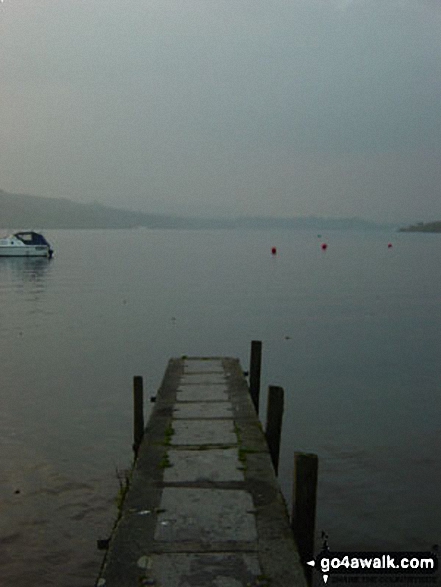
(25, 211)
(308, 222)
(423, 227)
(20, 210)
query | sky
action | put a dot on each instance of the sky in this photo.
(227, 107)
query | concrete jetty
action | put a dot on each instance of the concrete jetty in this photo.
(203, 508)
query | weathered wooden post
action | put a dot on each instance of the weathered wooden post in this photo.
(138, 412)
(304, 506)
(255, 366)
(274, 416)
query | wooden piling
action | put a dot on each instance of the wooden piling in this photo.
(138, 412)
(304, 506)
(255, 366)
(274, 416)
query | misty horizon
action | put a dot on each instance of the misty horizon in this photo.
(326, 108)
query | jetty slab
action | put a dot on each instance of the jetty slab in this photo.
(203, 508)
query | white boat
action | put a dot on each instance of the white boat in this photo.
(25, 244)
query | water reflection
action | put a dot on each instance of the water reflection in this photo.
(25, 273)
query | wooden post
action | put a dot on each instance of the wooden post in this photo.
(274, 416)
(255, 365)
(138, 412)
(304, 507)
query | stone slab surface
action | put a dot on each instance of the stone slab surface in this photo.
(200, 432)
(202, 393)
(208, 520)
(217, 465)
(205, 515)
(205, 570)
(200, 378)
(202, 366)
(202, 410)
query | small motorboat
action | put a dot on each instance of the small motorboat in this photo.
(25, 244)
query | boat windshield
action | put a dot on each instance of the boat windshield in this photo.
(31, 238)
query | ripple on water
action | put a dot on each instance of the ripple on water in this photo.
(49, 529)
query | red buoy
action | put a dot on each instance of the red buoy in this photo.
(324, 246)
(389, 246)
(274, 250)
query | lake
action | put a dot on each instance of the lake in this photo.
(351, 333)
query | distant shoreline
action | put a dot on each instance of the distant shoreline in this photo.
(28, 211)
(423, 227)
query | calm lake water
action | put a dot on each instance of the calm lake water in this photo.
(352, 334)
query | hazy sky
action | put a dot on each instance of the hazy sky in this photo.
(265, 107)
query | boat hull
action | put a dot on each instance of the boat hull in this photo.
(25, 251)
